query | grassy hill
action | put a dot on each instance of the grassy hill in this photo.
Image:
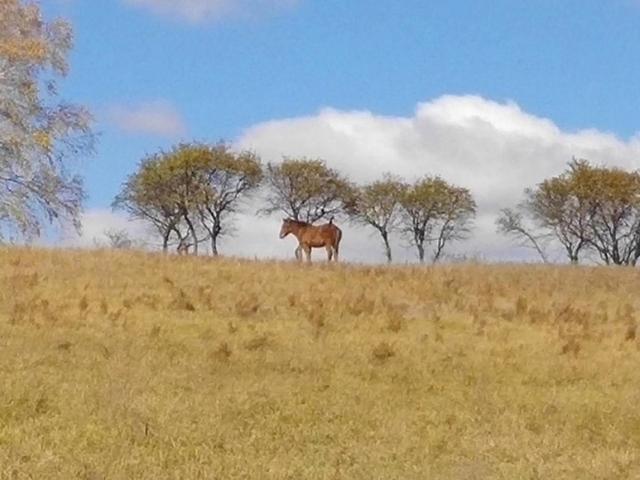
(131, 365)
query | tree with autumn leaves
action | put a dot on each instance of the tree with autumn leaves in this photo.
(189, 193)
(588, 210)
(436, 213)
(40, 135)
(429, 212)
(304, 189)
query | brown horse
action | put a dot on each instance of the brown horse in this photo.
(312, 236)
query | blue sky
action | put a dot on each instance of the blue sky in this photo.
(218, 75)
(576, 62)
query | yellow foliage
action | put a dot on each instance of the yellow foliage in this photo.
(23, 50)
(43, 140)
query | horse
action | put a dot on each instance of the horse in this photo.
(313, 236)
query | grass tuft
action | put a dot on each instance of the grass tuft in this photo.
(382, 352)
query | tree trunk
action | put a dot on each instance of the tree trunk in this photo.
(574, 252)
(215, 232)
(214, 244)
(529, 237)
(387, 247)
(420, 248)
(165, 242)
(439, 247)
(192, 231)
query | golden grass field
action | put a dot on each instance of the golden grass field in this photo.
(133, 365)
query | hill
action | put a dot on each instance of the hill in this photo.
(131, 365)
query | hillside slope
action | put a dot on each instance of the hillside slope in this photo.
(131, 365)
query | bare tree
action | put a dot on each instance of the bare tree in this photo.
(511, 223)
(118, 239)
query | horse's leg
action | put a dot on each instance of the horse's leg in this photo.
(307, 251)
(329, 249)
(298, 253)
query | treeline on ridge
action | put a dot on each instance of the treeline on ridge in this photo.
(190, 193)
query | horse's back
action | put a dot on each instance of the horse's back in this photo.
(321, 235)
(335, 234)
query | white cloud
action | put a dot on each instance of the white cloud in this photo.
(158, 118)
(202, 10)
(95, 224)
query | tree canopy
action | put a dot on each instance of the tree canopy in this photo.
(189, 192)
(304, 189)
(148, 195)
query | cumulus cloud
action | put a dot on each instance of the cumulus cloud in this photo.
(158, 118)
(202, 10)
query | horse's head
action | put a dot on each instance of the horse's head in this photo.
(286, 227)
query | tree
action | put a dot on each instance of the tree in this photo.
(613, 199)
(457, 211)
(511, 223)
(189, 191)
(378, 205)
(586, 208)
(228, 178)
(185, 165)
(435, 211)
(148, 195)
(304, 190)
(557, 206)
(39, 135)
(118, 239)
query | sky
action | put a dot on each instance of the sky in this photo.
(492, 95)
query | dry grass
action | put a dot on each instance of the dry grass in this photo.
(123, 366)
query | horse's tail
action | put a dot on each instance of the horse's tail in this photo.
(336, 246)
